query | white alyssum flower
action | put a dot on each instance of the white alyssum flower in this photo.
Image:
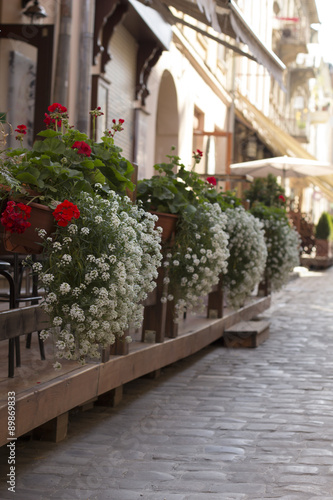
(72, 229)
(248, 254)
(189, 279)
(283, 247)
(109, 269)
(64, 288)
(37, 267)
(41, 233)
(57, 246)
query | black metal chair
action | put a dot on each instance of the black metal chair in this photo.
(12, 270)
(14, 344)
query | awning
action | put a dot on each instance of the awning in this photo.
(152, 27)
(224, 17)
(279, 141)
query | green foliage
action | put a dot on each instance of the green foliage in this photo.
(177, 190)
(53, 168)
(264, 212)
(324, 227)
(267, 191)
(173, 190)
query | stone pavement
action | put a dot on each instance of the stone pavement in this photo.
(244, 424)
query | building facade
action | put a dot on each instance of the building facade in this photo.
(234, 79)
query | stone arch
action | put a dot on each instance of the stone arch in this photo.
(167, 119)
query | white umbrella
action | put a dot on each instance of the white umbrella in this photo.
(283, 166)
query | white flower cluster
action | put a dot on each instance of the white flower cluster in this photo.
(283, 246)
(95, 285)
(248, 254)
(198, 257)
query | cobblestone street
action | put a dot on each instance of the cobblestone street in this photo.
(223, 424)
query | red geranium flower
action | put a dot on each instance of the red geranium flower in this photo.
(57, 108)
(21, 129)
(211, 180)
(117, 127)
(82, 148)
(15, 217)
(65, 212)
(197, 155)
(282, 198)
(51, 121)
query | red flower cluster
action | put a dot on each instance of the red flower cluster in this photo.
(96, 112)
(15, 217)
(197, 155)
(211, 180)
(282, 198)
(21, 129)
(57, 108)
(50, 121)
(117, 127)
(65, 212)
(82, 148)
(57, 113)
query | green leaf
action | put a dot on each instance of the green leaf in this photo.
(163, 193)
(27, 178)
(98, 163)
(98, 177)
(52, 145)
(190, 209)
(33, 171)
(87, 164)
(74, 173)
(49, 133)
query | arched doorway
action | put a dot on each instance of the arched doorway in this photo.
(167, 120)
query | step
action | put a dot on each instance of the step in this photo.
(247, 334)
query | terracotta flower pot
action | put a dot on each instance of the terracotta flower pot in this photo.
(29, 242)
(168, 223)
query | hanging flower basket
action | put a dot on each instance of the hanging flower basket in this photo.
(168, 223)
(28, 242)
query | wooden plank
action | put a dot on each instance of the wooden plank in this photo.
(248, 327)
(46, 401)
(22, 321)
(246, 334)
(155, 356)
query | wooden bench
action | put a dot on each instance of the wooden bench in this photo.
(246, 334)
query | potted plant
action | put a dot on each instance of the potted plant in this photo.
(248, 255)
(266, 190)
(101, 260)
(323, 231)
(282, 242)
(174, 190)
(246, 245)
(198, 255)
(59, 166)
(96, 271)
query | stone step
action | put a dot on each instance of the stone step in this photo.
(246, 334)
